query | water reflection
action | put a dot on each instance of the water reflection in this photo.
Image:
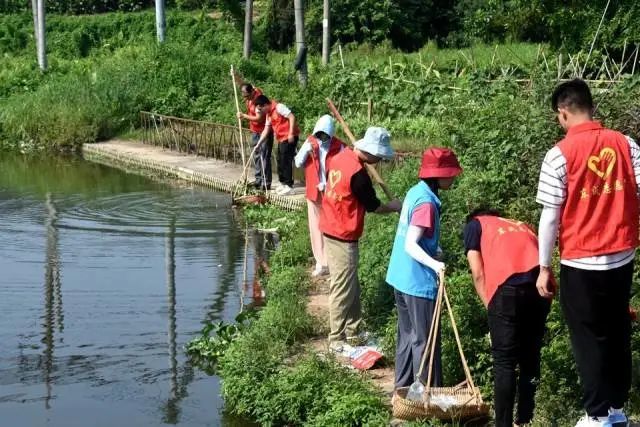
(53, 295)
(144, 266)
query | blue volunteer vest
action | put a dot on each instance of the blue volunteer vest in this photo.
(405, 273)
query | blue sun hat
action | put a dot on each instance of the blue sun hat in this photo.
(376, 142)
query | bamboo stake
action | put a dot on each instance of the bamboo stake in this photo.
(635, 61)
(341, 58)
(546, 64)
(595, 37)
(240, 134)
(372, 171)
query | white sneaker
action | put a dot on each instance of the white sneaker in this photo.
(285, 189)
(588, 421)
(617, 418)
(320, 270)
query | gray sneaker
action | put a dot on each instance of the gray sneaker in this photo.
(361, 339)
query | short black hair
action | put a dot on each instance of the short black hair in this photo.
(246, 87)
(261, 101)
(483, 211)
(574, 95)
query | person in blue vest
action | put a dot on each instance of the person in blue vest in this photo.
(414, 266)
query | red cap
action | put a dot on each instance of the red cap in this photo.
(439, 163)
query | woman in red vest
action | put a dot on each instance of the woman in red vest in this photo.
(262, 159)
(282, 122)
(589, 193)
(503, 257)
(314, 155)
(348, 195)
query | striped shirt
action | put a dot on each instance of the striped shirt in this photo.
(552, 193)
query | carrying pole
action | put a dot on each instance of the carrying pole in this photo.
(372, 171)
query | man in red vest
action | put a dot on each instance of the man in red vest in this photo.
(503, 257)
(588, 190)
(262, 159)
(348, 195)
(281, 120)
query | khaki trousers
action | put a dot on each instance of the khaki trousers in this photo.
(344, 291)
(317, 245)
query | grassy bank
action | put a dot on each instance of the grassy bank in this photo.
(103, 69)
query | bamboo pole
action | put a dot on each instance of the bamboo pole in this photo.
(372, 171)
(240, 133)
(593, 42)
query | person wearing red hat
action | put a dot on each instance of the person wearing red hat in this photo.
(414, 266)
(506, 284)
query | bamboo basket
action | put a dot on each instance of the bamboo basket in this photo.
(465, 398)
(467, 405)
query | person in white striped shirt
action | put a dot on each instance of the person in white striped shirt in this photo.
(589, 193)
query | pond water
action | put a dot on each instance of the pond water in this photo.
(105, 276)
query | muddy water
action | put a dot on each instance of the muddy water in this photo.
(104, 277)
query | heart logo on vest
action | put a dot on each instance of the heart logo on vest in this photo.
(606, 156)
(334, 177)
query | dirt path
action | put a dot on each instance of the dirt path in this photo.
(381, 374)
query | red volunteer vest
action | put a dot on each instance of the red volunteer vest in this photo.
(342, 215)
(600, 214)
(255, 127)
(508, 247)
(280, 124)
(312, 167)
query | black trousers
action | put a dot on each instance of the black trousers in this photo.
(596, 307)
(517, 316)
(414, 321)
(286, 153)
(262, 160)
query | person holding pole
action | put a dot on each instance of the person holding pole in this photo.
(281, 120)
(314, 155)
(588, 188)
(503, 258)
(262, 158)
(414, 265)
(348, 195)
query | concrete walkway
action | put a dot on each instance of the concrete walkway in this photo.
(135, 156)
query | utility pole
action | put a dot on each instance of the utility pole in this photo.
(248, 28)
(161, 24)
(41, 44)
(34, 9)
(326, 30)
(300, 46)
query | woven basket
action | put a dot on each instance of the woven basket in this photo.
(468, 400)
(468, 405)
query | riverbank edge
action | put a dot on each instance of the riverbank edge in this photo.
(344, 397)
(274, 373)
(94, 152)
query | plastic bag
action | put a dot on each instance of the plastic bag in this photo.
(416, 391)
(443, 401)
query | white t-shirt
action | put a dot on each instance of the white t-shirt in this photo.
(552, 193)
(281, 109)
